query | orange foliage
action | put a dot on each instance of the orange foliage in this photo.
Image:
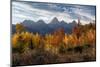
(52, 41)
(15, 38)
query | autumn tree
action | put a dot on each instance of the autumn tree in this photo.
(58, 36)
(77, 32)
(48, 42)
(27, 38)
(15, 38)
(20, 28)
(36, 39)
(17, 43)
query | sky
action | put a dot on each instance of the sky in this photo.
(47, 11)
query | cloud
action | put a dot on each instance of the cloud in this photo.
(24, 11)
(34, 11)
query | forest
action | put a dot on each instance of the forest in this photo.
(55, 47)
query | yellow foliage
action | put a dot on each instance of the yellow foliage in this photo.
(51, 42)
(15, 38)
(36, 38)
(72, 40)
(65, 39)
(26, 36)
(91, 36)
(19, 28)
(49, 39)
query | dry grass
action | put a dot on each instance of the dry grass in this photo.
(34, 57)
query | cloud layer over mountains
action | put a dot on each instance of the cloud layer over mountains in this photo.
(46, 11)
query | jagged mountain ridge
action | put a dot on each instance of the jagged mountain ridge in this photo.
(41, 27)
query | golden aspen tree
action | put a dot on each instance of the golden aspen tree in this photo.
(20, 28)
(15, 40)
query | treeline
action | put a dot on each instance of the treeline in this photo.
(55, 42)
(56, 47)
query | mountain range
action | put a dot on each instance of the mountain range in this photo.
(41, 27)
